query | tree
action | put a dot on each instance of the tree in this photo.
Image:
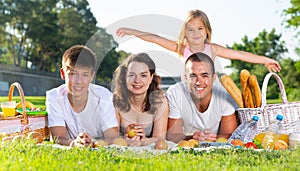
(291, 78)
(292, 19)
(266, 44)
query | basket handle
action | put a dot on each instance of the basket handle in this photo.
(264, 89)
(24, 120)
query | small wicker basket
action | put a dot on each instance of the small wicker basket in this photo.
(23, 124)
(267, 112)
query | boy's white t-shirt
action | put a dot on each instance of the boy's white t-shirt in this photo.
(97, 116)
(182, 106)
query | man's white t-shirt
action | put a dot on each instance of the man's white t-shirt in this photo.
(97, 116)
(182, 106)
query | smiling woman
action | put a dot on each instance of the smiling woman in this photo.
(139, 100)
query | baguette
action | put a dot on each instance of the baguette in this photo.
(244, 76)
(247, 97)
(232, 89)
(252, 81)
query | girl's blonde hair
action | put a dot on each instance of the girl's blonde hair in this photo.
(182, 41)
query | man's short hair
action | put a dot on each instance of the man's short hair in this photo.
(201, 57)
(79, 55)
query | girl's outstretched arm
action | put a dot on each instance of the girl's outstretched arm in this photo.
(149, 37)
(270, 64)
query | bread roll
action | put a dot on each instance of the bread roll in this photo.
(255, 90)
(232, 89)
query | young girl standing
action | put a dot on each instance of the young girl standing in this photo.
(195, 37)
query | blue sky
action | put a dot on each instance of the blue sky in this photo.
(230, 20)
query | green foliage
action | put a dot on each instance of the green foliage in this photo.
(292, 18)
(40, 31)
(293, 14)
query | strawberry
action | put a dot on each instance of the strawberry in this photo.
(250, 145)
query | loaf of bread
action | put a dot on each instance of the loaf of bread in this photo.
(247, 97)
(232, 89)
(256, 92)
(246, 89)
(244, 76)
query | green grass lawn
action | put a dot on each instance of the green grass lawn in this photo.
(29, 156)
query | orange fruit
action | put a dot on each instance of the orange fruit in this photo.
(161, 145)
(280, 145)
(193, 143)
(237, 142)
(184, 143)
(284, 137)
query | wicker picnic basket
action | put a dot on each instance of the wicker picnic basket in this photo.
(23, 124)
(268, 112)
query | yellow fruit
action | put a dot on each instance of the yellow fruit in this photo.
(100, 143)
(27, 103)
(280, 145)
(222, 140)
(184, 143)
(260, 137)
(193, 143)
(120, 141)
(130, 130)
(161, 145)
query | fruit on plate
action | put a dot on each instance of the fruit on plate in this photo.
(35, 136)
(222, 140)
(184, 143)
(193, 143)
(250, 145)
(120, 141)
(100, 143)
(280, 145)
(130, 130)
(28, 104)
(237, 142)
(161, 144)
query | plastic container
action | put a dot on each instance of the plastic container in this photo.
(246, 131)
(8, 108)
(272, 133)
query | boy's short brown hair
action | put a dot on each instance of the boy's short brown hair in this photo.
(79, 55)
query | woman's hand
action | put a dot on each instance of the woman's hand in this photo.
(136, 140)
(83, 140)
(204, 136)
